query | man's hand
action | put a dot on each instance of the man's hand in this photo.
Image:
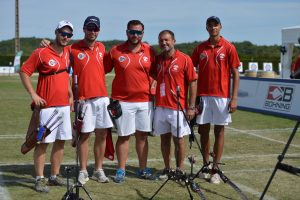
(190, 113)
(45, 43)
(38, 101)
(232, 106)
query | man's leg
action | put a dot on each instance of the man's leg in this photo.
(203, 130)
(179, 151)
(165, 146)
(39, 158)
(39, 163)
(141, 145)
(57, 155)
(218, 145)
(99, 147)
(83, 150)
(122, 146)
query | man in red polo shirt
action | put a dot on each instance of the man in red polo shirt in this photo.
(217, 61)
(87, 62)
(87, 58)
(53, 93)
(131, 62)
(295, 69)
(175, 75)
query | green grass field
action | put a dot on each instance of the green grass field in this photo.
(252, 143)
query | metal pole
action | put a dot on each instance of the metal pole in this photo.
(17, 37)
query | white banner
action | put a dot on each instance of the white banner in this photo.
(278, 97)
(17, 60)
(7, 70)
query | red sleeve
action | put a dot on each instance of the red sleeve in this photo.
(234, 61)
(190, 70)
(108, 62)
(297, 64)
(195, 57)
(31, 64)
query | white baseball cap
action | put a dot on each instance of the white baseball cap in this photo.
(64, 23)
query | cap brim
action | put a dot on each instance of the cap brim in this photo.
(92, 23)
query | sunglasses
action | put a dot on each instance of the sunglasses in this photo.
(65, 34)
(135, 32)
(92, 28)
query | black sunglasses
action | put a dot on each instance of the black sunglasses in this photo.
(92, 28)
(65, 34)
(135, 32)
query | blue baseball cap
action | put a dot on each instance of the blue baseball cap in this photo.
(92, 20)
(213, 18)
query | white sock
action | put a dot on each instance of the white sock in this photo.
(52, 177)
(38, 177)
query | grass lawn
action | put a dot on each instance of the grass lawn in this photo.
(252, 143)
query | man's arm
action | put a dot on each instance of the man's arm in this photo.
(71, 98)
(38, 101)
(235, 88)
(192, 99)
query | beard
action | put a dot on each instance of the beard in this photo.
(134, 41)
(61, 43)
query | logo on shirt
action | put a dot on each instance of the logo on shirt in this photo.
(122, 58)
(175, 68)
(202, 56)
(222, 56)
(52, 63)
(145, 59)
(100, 54)
(81, 56)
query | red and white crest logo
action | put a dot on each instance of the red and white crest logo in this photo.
(81, 56)
(52, 62)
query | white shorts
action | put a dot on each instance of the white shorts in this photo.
(215, 111)
(165, 121)
(135, 116)
(59, 124)
(96, 115)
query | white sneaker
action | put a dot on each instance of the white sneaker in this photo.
(83, 177)
(99, 176)
(215, 178)
(205, 174)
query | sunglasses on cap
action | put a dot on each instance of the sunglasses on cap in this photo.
(135, 32)
(92, 28)
(65, 34)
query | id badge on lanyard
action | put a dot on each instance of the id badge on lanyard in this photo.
(162, 89)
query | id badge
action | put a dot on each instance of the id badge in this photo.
(162, 89)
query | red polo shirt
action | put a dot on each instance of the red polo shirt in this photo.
(89, 68)
(172, 72)
(296, 66)
(52, 88)
(132, 80)
(214, 67)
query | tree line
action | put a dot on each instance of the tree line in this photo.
(247, 51)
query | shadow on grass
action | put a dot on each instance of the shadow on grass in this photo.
(24, 175)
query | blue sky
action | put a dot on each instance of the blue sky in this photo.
(257, 21)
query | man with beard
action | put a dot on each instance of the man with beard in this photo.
(217, 61)
(131, 62)
(87, 62)
(175, 75)
(53, 93)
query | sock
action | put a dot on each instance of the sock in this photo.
(52, 177)
(38, 177)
